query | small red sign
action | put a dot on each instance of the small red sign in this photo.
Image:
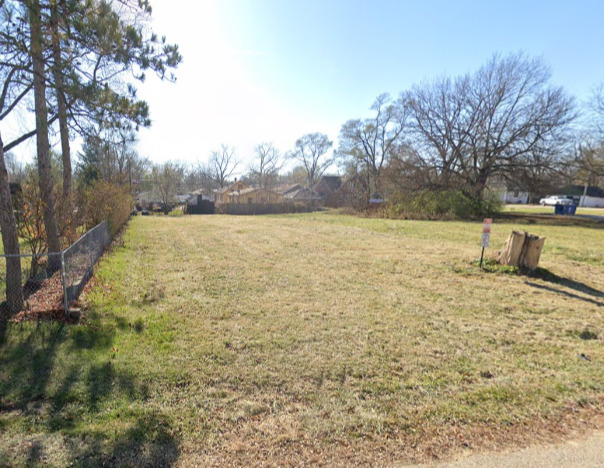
(486, 231)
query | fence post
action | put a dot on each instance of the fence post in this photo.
(90, 249)
(65, 300)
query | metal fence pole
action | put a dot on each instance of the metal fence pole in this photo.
(65, 300)
(91, 254)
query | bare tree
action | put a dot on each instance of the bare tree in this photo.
(221, 165)
(310, 152)
(198, 177)
(374, 142)
(596, 106)
(587, 163)
(111, 157)
(476, 126)
(266, 166)
(15, 169)
(167, 178)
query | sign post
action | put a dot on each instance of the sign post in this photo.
(486, 234)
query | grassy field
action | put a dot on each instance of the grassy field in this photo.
(308, 339)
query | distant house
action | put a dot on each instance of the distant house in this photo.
(592, 197)
(328, 185)
(195, 194)
(376, 199)
(299, 194)
(286, 189)
(513, 195)
(222, 195)
(182, 197)
(253, 195)
(148, 199)
(328, 188)
(353, 193)
(200, 204)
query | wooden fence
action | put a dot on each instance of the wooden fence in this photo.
(265, 208)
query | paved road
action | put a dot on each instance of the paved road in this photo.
(586, 453)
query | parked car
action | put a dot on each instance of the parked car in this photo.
(557, 200)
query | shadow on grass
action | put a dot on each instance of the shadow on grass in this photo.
(59, 382)
(546, 275)
(565, 293)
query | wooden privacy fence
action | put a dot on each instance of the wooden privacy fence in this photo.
(265, 208)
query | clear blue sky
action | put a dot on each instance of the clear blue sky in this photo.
(273, 70)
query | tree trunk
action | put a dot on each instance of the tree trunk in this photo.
(43, 146)
(61, 102)
(10, 240)
(522, 250)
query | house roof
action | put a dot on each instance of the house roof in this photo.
(226, 188)
(150, 196)
(250, 190)
(303, 193)
(242, 192)
(328, 184)
(285, 189)
(199, 192)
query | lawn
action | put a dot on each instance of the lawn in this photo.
(308, 339)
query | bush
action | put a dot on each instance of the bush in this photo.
(445, 204)
(177, 212)
(105, 201)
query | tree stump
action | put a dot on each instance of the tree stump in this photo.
(522, 250)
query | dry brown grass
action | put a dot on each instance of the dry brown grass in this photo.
(328, 339)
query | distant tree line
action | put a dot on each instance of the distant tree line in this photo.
(444, 144)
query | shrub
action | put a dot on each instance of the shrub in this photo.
(105, 200)
(442, 204)
(178, 211)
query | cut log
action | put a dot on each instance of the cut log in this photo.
(522, 250)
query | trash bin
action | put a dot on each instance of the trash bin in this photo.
(570, 209)
(558, 209)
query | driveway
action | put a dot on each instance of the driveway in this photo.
(585, 453)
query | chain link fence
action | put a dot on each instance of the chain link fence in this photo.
(51, 282)
(79, 260)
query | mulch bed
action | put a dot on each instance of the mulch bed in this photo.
(44, 302)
